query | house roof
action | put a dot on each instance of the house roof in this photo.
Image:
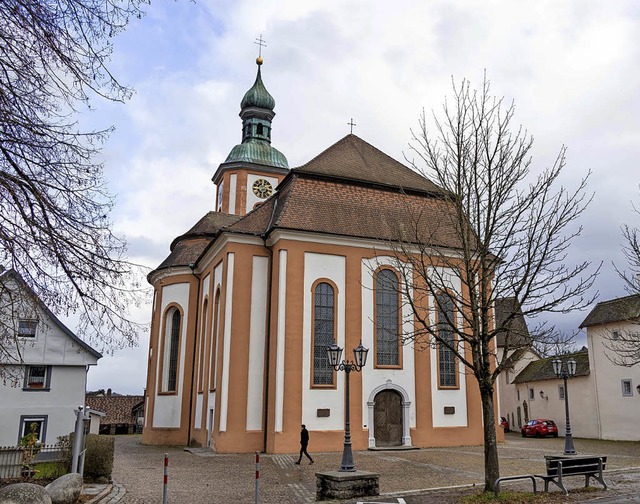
(14, 275)
(351, 189)
(118, 409)
(519, 333)
(543, 369)
(615, 310)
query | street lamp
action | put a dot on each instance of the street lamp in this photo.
(360, 359)
(564, 370)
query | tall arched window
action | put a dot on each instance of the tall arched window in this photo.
(447, 362)
(213, 355)
(386, 315)
(323, 332)
(171, 350)
(203, 345)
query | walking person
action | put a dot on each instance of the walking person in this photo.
(304, 443)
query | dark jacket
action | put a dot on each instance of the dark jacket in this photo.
(304, 437)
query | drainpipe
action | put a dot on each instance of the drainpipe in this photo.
(192, 267)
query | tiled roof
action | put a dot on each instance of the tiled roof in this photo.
(118, 409)
(615, 310)
(543, 369)
(186, 249)
(354, 159)
(345, 209)
(519, 334)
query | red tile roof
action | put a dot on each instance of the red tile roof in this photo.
(118, 409)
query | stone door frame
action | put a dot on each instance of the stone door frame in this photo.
(406, 404)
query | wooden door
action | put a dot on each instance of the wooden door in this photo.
(387, 414)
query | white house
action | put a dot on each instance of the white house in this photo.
(45, 372)
(541, 394)
(616, 388)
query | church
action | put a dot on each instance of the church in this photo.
(291, 261)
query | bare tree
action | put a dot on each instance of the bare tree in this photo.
(55, 230)
(510, 229)
(623, 345)
(631, 250)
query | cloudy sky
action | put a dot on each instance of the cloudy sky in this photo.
(571, 67)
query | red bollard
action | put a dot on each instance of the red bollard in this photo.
(257, 477)
(166, 478)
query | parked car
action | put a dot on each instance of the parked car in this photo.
(504, 423)
(539, 428)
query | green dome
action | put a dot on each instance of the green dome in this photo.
(258, 152)
(258, 96)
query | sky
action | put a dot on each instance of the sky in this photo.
(572, 68)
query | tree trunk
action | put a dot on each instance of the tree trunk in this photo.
(491, 466)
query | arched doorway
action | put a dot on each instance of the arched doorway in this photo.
(387, 414)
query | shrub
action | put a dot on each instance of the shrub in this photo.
(98, 460)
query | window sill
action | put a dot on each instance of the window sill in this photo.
(41, 389)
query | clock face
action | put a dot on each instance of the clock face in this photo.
(262, 188)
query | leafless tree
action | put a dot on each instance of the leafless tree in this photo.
(623, 345)
(55, 230)
(510, 230)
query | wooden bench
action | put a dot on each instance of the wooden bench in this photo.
(560, 467)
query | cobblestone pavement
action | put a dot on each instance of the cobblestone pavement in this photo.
(206, 477)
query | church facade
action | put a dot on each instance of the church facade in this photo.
(290, 261)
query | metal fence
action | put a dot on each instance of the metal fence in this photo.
(13, 458)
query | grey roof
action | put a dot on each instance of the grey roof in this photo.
(543, 369)
(615, 310)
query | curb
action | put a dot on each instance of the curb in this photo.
(101, 495)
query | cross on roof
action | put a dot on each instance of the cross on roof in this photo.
(262, 43)
(352, 124)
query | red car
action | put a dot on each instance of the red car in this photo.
(539, 428)
(504, 423)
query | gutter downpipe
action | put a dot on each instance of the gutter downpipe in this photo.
(268, 328)
(192, 267)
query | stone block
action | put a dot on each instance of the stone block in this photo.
(346, 485)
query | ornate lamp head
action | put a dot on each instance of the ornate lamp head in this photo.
(360, 355)
(334, 352)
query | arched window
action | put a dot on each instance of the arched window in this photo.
(447, 361)
(260, 131)
(386, 315)
(171, 350)
(214, 342)
(203, 345)
(323, 332)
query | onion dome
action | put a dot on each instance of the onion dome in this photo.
(258, 96)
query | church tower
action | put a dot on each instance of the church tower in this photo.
(253, 168)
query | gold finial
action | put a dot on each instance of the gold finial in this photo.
(261, 43)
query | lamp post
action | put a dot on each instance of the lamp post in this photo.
(360, 359)
(565, 370)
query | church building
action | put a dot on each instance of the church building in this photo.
(291, 261)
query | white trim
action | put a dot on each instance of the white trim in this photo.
(257, 328)
(372, 244)
(282, 298)
(233, 182)
(226, 348)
